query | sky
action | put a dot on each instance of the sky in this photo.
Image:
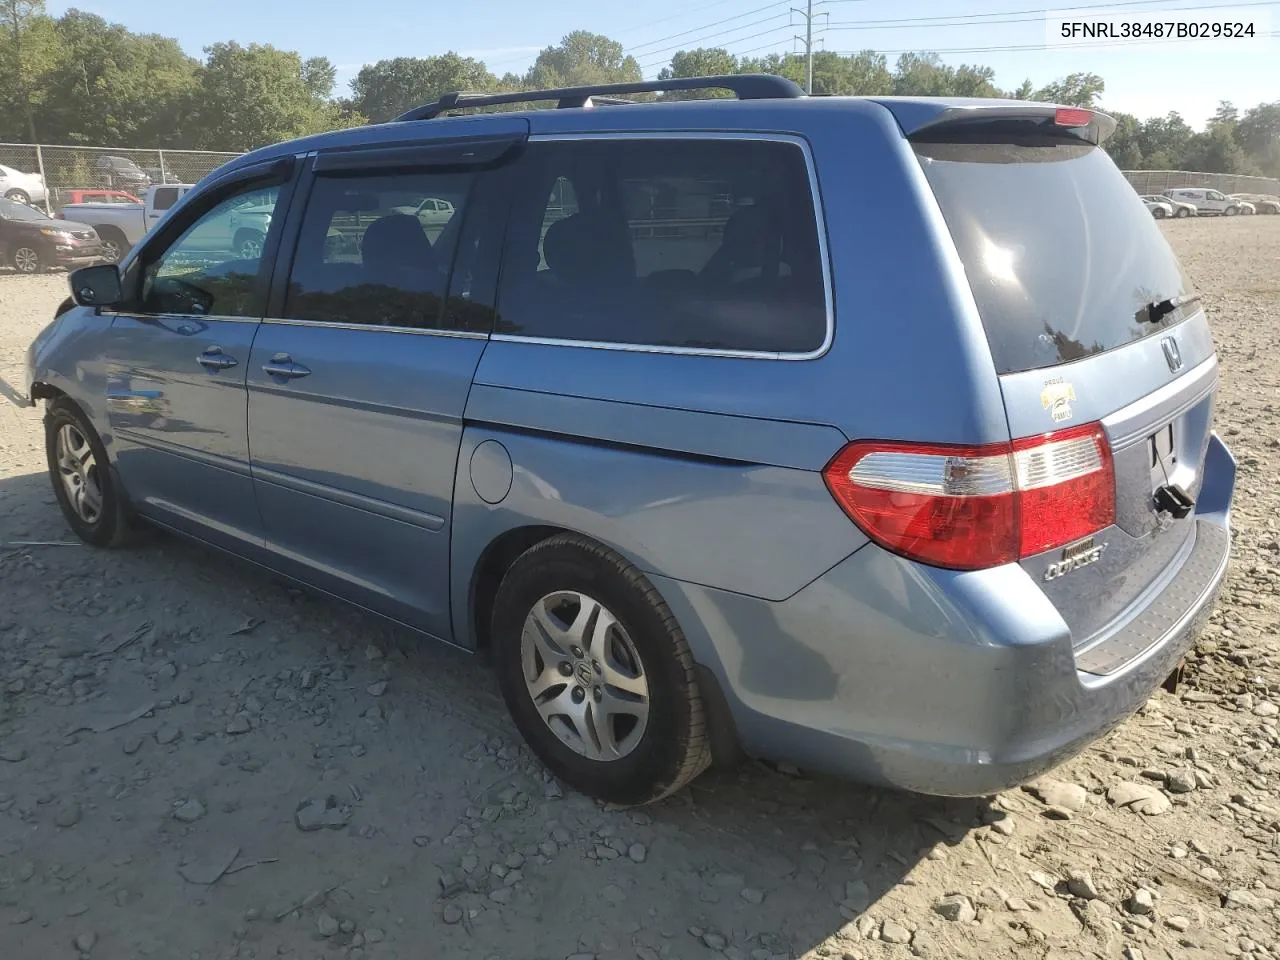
(1147, 80)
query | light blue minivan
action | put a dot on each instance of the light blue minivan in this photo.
(868, 434)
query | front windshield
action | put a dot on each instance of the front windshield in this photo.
(12, 210)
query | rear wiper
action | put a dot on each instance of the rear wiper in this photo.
(1162, 308)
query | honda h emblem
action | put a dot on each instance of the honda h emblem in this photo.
(1172, 354)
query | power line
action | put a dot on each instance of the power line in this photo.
(705, 26)
(1007, 48)
(688, 44)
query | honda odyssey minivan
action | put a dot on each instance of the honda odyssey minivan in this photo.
(874, 435)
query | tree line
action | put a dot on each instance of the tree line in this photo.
(79, 79)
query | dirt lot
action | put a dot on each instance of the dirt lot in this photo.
(164, 712)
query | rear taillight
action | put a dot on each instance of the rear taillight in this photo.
(1072, 117)
(973, 507)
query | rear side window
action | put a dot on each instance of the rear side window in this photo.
(164, 198)
(665, 242)
(1062, 257)
(377, 249)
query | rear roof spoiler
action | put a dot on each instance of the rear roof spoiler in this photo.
(916, 116)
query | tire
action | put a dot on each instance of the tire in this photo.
(26, 258)
(1231, 211)
(21, 196)
(1182, 213)
(1158, 213)
(658, 737)
(114, 243)
(71, 444)
(248, 244)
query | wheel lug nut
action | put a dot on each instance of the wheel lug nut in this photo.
(577, 652)
(578, 695)
(565, 668)
(596, 693)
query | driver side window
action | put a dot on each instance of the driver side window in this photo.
(212, 269)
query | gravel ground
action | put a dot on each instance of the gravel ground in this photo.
(197, 760)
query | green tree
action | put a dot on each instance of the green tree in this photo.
(1258, 132)
(582, 58)
(386, 89)
(1025, 90)
(255, 95)
(1163, 141)
(1123, 145)
(1215, 151)
(922, 75)
(23, 42)
(1073, 90)
(702, 62)
(110, 86)
(1225, 114)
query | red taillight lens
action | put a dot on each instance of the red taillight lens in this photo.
(1072, 117)
(968, 508)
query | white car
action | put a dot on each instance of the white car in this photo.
(1210, 202)
(1158, 208)
(1181, 209)
(23, 187)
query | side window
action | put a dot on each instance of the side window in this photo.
(686, 243)
(212, 268)
(1215, 195)
(377, 248)
(165, 197)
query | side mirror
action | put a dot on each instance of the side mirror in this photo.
(97, 286)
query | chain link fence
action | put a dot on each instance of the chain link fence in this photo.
(46, 175)
(1148, 182)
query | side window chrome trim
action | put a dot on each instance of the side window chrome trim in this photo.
(379, 327)
(820, 223)
(134, 315)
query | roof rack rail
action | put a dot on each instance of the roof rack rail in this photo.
(746, 86)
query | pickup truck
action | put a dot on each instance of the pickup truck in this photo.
(121, 225)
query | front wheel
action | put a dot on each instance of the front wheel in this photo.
(82, 480)
(26, 258)
(1182, 213)
(597, 674)
(1158, 213)
(21, 196)
(1232, 211)
(248, 244)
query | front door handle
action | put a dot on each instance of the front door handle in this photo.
(282, 365)
(214, 359)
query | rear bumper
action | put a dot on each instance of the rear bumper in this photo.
(936, 681)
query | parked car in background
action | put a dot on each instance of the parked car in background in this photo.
(1246, 207)
(1208, 202)
(662, 471)
(1262, 202)
(120, 173)
(161, 175)
(31, 240)
(1181, 208)
(1159, 208)
(121, 225)
(23, 187)
(68, 197)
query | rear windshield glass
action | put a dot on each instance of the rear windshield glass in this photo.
(1062, 256)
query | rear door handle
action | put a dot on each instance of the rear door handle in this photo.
(282, 365)
(214, 359)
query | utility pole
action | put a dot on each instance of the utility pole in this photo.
(807, 40)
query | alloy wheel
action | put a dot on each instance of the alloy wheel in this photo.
(78, 470)
(26, 259)
(584, 675)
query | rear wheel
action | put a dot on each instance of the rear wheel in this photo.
(597, 673)
(19, 195)
(82, 480)
(26, 258)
